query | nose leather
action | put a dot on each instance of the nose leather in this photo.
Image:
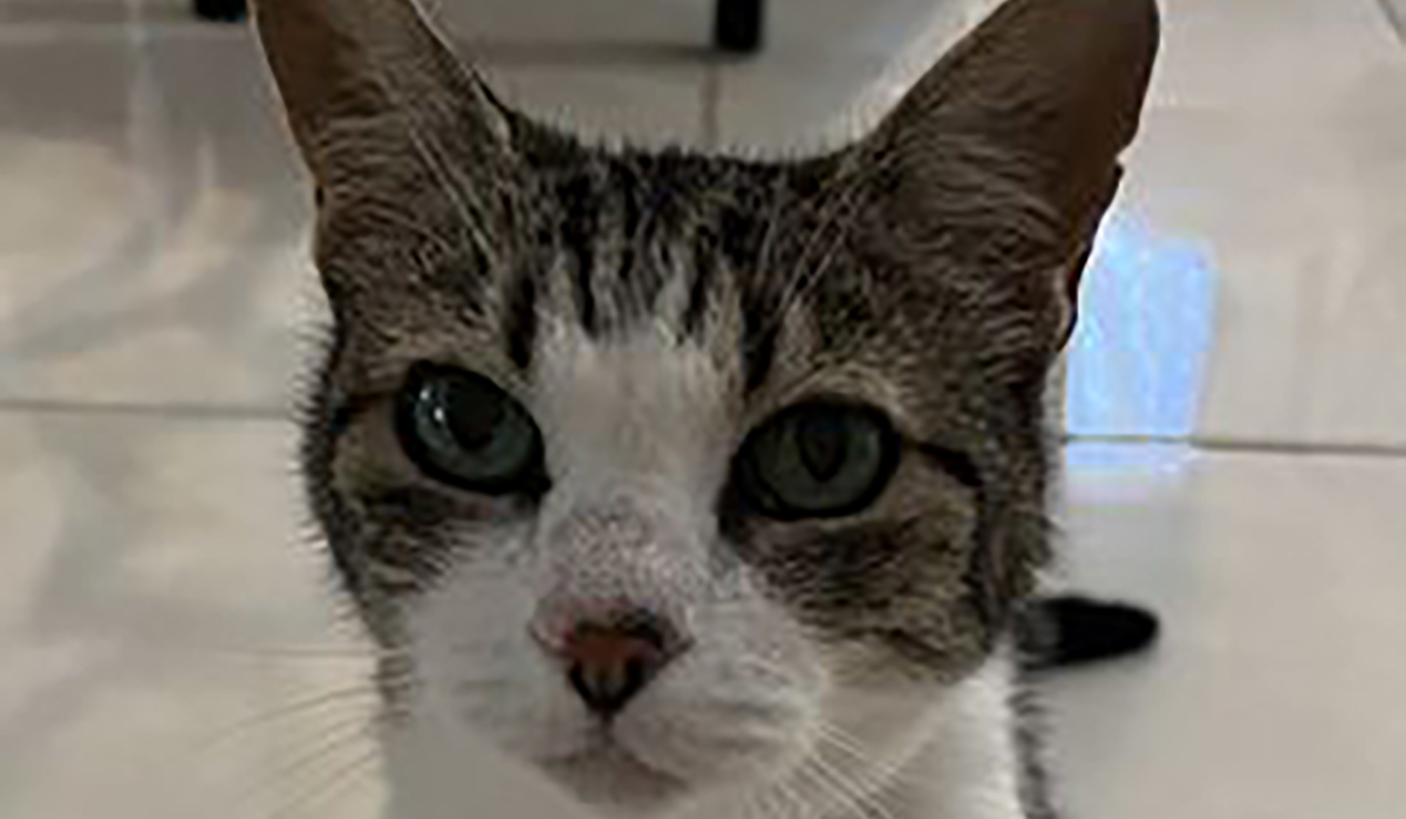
(610, 656)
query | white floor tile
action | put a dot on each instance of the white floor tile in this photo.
(626, 24)
(1269, 53)
(1274, 691)
(833, 71)
(161, 614)
(657, 104)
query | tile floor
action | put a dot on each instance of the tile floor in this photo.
(1237, 393)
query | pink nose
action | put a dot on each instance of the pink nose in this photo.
(609, 659)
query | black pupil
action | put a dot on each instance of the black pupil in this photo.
(823, 442)
(471, 417)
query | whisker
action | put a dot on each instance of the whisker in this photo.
(300, 707)
(876, 779)
(859, 796)
(778, 804)
(844, 740)
(340, 734)
(841, 740)
(792, 799)
(753, 807)
(834, 799)
(328, 785)
(305, 757)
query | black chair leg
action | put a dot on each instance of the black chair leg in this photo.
(738, 25)
(222, 11)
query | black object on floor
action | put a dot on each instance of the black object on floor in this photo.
(1066, 631)
(222, 11)
(738, 24)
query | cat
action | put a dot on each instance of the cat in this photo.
(699, 486)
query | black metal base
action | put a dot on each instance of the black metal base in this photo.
(222, 11)
(738, 25)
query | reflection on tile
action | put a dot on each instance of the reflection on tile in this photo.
(1274, 691)
(1147, 315)
(155, 594)
(1298, 215)
(152, 229)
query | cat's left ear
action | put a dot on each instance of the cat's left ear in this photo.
(1011, 143)
(360, 78)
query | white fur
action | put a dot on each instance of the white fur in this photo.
(957, 760)
(639, 434)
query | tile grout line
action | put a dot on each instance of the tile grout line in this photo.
(1249, 446)
(120, 409)
(1395, 19)
(710, 124)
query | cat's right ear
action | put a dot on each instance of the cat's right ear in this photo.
(1008, 150)
(362, 75)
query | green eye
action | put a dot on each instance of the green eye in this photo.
(817, 460)
(463, 429)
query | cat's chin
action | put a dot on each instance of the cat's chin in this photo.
(610, 778)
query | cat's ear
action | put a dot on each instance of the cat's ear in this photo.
(349, 70)
(1029, 113)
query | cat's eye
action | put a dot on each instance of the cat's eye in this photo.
(461, 428)
(817, 460)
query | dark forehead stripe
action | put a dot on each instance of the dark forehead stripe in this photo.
(630, 224)
(759, 331)
(580, 228)
(705, 266)
(745, 237)
(520, 325)
(658, 202)
(625, 186)
(627, 223)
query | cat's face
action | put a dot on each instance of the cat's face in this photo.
(790, 492)
(665, 474)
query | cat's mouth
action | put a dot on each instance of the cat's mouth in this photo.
(608, 773)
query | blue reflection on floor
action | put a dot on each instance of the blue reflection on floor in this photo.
(1146, 323)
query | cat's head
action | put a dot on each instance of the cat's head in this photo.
(664, 472)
